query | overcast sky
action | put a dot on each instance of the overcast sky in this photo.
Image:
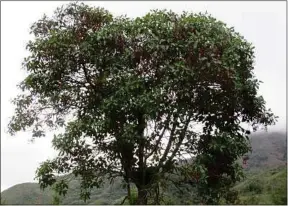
(262, 23)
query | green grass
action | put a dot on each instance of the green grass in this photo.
(264, 187)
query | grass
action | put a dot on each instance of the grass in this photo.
(264, 187)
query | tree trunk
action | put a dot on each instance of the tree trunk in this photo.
(129, 193)
(142, 196)
(142, 192)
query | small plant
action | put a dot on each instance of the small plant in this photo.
(279, 196)
(255, 187)
(56, 200)
(133, 197)
(168, 201)
(250, 201)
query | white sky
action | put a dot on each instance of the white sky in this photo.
(262, 23)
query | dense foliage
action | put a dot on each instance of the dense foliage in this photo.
(130, 93)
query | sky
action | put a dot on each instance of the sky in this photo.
(261, 23)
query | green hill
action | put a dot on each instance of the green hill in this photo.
(26, 193)
(266, 187)
(30, 193)
(265, 182)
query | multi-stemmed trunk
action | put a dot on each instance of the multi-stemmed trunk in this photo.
(142, 192)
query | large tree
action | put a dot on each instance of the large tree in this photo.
(129, 94)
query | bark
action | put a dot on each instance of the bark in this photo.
(142, 196)
(142, 192)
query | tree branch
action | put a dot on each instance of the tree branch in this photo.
(182, 136)
(169, 143)
(123, 200)
(160, 137)
(141, 127)
(86, 74)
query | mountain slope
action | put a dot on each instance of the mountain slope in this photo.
(269, 149)
(26, 193)
(266, 187)
(30, 193)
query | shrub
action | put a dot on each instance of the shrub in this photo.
(255, 186)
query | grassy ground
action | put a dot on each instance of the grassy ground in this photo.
(264, 187)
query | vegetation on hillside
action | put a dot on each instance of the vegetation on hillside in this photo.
(264, 183)
(265, 187)
(259, 188)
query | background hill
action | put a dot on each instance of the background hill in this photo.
(265, 182)
(269, 150)
(30, 193)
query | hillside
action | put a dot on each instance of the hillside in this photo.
(265, 182)
(30, 193)
(268, 187)
(269, 150)
(26, 193)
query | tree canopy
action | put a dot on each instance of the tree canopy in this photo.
(137, 96)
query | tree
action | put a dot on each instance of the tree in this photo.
(129, 92)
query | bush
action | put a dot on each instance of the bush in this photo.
(255, 186)
(279, 196)
(250, 201)
(168, 201)
(134, 196)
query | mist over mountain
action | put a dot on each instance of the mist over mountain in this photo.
(269, 149)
